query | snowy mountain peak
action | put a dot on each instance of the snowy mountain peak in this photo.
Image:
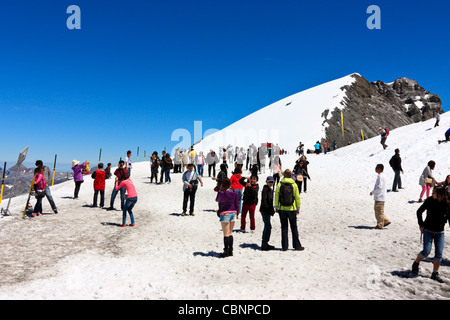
(315, 114)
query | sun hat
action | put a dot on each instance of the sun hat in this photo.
(75, 162)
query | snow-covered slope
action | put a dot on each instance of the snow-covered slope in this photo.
(80, 253)
(286, 122)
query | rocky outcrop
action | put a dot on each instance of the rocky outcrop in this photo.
(371, 105)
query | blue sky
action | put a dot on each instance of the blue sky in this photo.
(138, 70)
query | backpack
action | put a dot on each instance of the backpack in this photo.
(387, 132)
(391, 162)
(286, 196)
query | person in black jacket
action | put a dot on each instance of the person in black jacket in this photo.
(437, 207)
(154, 165)
(250, 200)
(221, 176)
(301, 169)
(396, 164)
(267, 211)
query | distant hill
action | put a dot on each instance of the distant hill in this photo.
(24, 179)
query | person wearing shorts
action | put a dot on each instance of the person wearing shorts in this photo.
(228, 201)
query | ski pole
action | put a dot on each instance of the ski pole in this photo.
(3, 183)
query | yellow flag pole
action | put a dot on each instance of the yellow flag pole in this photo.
(362, 134)
(3, 183)
(54, 169)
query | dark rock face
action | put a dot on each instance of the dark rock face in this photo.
(371, 105)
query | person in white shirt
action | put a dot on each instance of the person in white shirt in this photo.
(379, 195)
(190, 180)
(128, 165)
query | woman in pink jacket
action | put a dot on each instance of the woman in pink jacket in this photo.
(39, 181)
(125, 182)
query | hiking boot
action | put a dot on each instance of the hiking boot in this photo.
(225, 253)
(191, 214)
(420, 200)
(299, 249)
(415, 268)
(387, 223)
(110, 209)
(267, 248)
(183, 214)
(435, 276)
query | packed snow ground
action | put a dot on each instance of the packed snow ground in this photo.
(81, 253)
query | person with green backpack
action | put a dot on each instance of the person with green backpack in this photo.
(287, 204)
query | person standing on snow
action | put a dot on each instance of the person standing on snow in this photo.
(384, 134)
(47, 176)
(396, 164)
(99, 177)
(228, 206)
(126, 183)
(128, 165)
(177, 161)
(200, 162)
(212, 159)
(317, 147)
(267, 211)
(426, 180)
(287, 204)
(190, 180)
(379, 194)
(40, 185)
(119, 173)
(78, 175)
(432, 228)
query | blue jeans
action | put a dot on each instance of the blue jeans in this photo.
(200, 169)
(50, 198)
(122, 197)
(289, 218)
(239, 192)
(128, 207)
(397, 180)
(167, 175)
(428, 238)
(38, 206)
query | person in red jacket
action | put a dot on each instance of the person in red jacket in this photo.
(237, 184)
(99, 185)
